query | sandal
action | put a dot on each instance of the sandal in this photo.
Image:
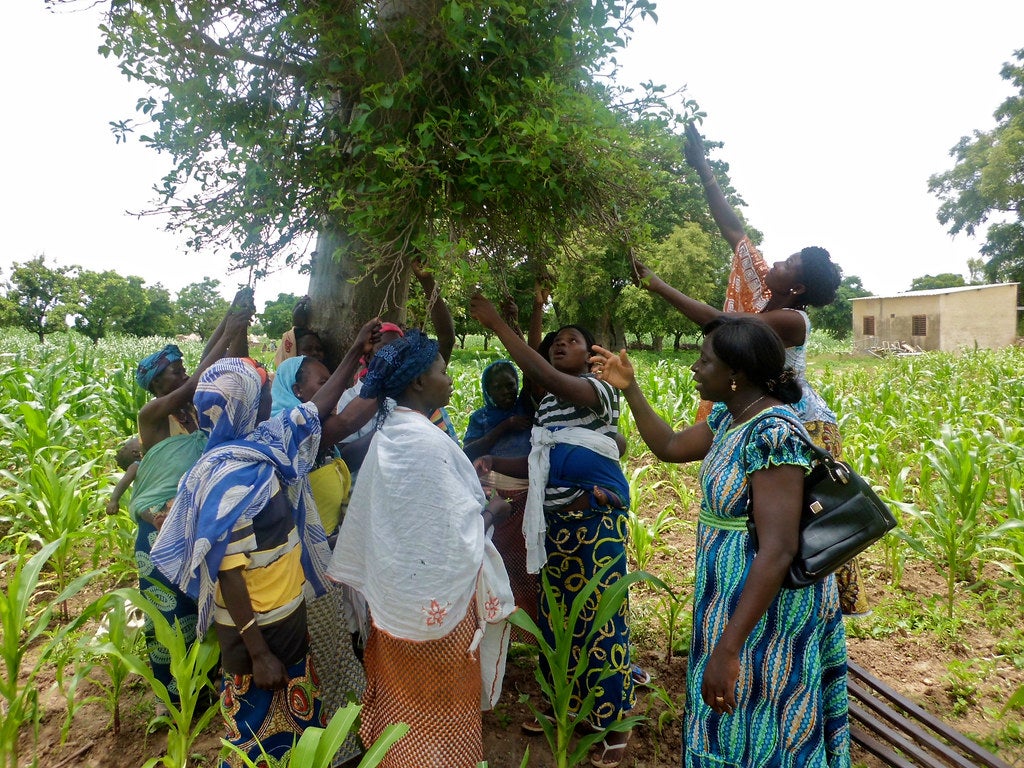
(533, 727)
(640, 675)
(611, 754)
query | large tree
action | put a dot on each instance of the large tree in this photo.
(480, 137)
(986, 186)
(200, 307)
(106, 302)
(41, 295)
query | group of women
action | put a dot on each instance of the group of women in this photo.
(440, 543)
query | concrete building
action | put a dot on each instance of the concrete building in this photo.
(944, 319)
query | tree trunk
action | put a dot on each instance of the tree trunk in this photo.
(340, 305)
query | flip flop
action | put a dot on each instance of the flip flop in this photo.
(610, 755)
(640, 675)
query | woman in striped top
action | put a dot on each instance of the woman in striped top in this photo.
(576, 511)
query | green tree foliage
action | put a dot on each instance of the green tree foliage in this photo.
(457, 132)
(986, 185)
(106, 302)
(942, 280)
(690, 259)
(200, 307)
(276, 317)
(156, 315)
(837, 317)
(40, 295)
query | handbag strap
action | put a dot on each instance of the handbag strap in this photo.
(821, 455)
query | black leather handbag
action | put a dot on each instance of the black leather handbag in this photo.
(842, 516)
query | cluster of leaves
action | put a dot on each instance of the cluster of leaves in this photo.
(488, 123)
(40, 298)
(986, 185)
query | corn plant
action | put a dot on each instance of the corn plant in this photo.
(120, 627)
(671, 614)
(645, 535)
(23, 626)
(52, 501)
(949, 532)
(316, 747)
(564, 673)
(190, 666)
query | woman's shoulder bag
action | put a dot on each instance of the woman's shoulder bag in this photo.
(841, 515)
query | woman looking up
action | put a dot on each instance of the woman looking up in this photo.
(413, 544)
(576, 510)
(171, 444)
(766, 681)
(779, 296)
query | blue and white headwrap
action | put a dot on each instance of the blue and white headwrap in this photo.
(243, 466)
(153, 365)
(394, 367)
(284, 379)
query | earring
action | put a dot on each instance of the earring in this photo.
(732, 385)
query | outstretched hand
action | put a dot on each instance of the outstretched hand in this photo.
(243, 302)
(616, 369)
(483, 311)
(642, 274)
(693, 150)
(368, 335)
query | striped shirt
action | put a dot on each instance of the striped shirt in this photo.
(268, 551)
(555, 414)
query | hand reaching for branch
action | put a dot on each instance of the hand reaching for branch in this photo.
(616, 369)
(483, 311)
(694, 151)
(642, 274)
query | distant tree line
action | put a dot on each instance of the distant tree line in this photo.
(44, 298)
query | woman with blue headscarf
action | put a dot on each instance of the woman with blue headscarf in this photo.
(413, 545)
(244, 540)
(171, 443)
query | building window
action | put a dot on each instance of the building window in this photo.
(869, 325)
(919, 325)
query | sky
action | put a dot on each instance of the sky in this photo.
(832, 115)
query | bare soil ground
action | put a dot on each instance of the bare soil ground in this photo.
(915, 663)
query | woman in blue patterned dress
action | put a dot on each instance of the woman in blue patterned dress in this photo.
(766, 682)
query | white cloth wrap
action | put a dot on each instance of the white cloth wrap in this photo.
(541, 439)
(413, 543)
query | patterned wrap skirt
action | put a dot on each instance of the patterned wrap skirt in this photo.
(174, 604)
(261, 721)
(579, 544)
(508, 540)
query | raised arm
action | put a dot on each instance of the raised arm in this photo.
(243, 301)
(789, 325)
(728, 222)
(541, 293)
(538, 370)
(689, 444)
(440, 315)
(153, 415)
(697, 311)
(327, 397)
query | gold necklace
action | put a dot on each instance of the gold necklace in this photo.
(750, 405)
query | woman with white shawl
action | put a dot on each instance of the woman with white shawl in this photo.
(414, 545)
